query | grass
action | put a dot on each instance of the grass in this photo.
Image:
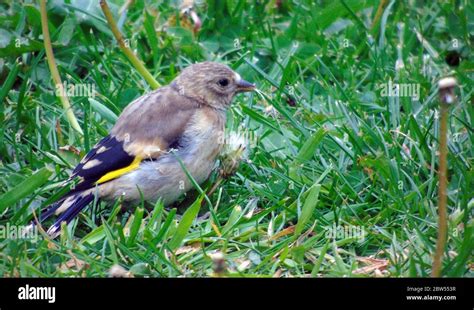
(328, 150)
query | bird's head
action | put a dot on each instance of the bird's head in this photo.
(211, 83)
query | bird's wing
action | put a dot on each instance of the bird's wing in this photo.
(147, 128)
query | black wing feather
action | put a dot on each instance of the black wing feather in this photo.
(113, 158)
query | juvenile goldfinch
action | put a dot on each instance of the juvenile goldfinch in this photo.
(183, 121)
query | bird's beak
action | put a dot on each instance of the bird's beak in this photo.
(243, 86)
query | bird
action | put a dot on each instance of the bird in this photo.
(156, 138)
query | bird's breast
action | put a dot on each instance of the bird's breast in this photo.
(205, 137)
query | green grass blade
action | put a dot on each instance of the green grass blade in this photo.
(25, 188)
(308, 208)
(185, 223)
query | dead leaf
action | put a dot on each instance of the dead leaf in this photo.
(277, 273)
(74, 264)
(373, 265)
(284, 232)
(193, 247)
(70, 148)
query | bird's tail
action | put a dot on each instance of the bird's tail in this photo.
(67, 209)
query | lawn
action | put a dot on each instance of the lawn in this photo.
(339, 177)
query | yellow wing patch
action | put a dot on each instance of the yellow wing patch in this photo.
(116, 173)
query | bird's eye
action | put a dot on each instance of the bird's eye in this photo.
(223, 82)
